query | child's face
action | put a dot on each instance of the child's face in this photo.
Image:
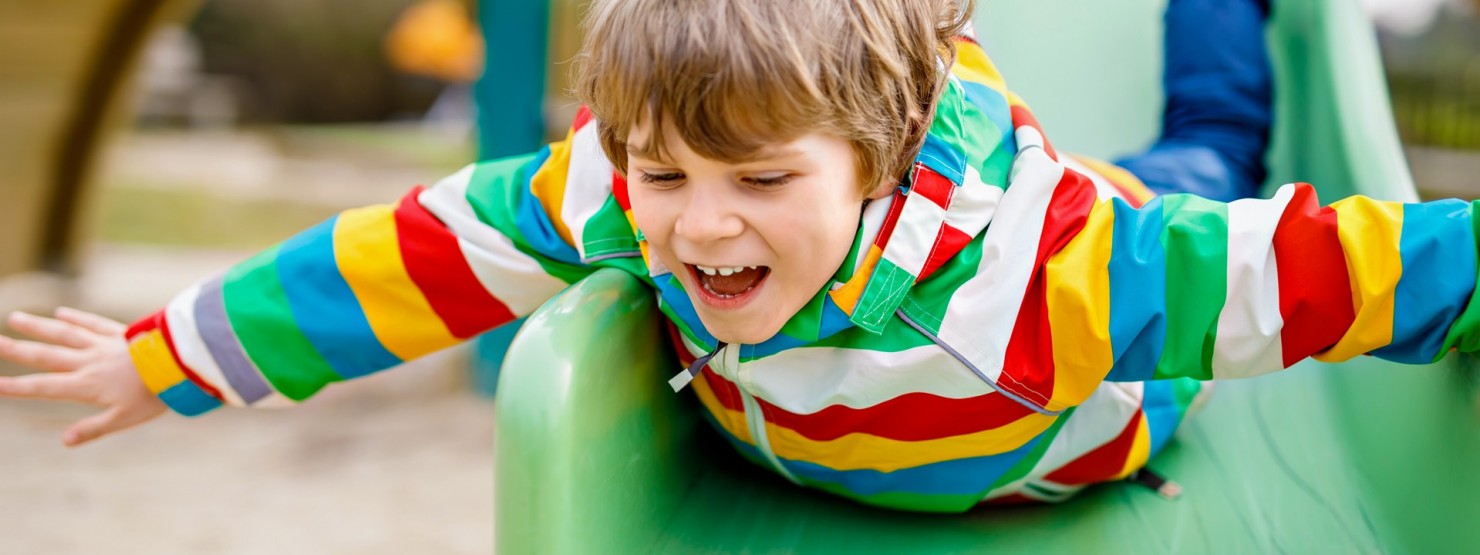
(751, 242)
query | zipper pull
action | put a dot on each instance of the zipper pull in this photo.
(682, 379)
(1148, 478)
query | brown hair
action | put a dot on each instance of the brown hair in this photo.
(737, 75)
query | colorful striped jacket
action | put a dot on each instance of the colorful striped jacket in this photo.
(1001, 287)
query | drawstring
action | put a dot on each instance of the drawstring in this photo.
(1150, 479)
(682, 379)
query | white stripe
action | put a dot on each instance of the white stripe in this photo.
(588, 183)
(805, 380)
(983, 311)
(513, 277)
(180, 315)
(1103, 188)
(1248, 342)
(1028, 137)
(1096, 422)
(873, 220)
(974, 204)
(915, 233)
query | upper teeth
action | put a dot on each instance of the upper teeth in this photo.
(724, 271)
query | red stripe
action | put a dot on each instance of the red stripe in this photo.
(1315, 291)
(435, 262)
(684, 356)
(583, 116)
(144, 325)
(1103, 463)
(1021, 116)
(908, 417)
(169, 341)
(949, 242)
(1028, 368)
(887, 229)
(932, 185)
(619, 190)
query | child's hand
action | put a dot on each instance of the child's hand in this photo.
(88, 361)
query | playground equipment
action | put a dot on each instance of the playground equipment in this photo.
(61, 89)
(596, 453)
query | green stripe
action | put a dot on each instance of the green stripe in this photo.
(1464, 334)
(608, 231)
(259, 314)
(983, 140)
(1023, 467)
(929, 299)
(892, 340)
(886, 287)
(495, 191)
(904, 501)
(1195, 238)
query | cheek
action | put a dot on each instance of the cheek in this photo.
(651, 215)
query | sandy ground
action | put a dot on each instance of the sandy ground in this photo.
(397, 463)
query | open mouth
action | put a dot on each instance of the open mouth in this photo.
(728, 284)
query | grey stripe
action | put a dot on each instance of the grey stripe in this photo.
(215, 331)
(973, 368)
(600, 257)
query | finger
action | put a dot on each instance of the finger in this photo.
(40, 355)
(55, 331)
(90, 321)
(46, 386)
(94, 427)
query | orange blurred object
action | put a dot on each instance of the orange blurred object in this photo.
(436, 38)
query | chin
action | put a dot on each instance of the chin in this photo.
(740, 334)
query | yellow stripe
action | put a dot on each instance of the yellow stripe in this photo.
(1140, 449)
(866, 451)
(846, 297)
(369, 257)
(152, 357)
(1078, 296)
(1124, 180)
(1369, 231)
(732, 421)
(973, 64)
(548, 185)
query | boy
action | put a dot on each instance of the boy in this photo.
(885, 281)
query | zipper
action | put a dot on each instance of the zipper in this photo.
(754, 418)
(725, 359)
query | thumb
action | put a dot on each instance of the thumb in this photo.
(104, 423)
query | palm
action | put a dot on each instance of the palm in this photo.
(86, 360)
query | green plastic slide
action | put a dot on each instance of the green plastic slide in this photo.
(595, 454)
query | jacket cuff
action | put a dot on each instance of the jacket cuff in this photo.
(160, 367)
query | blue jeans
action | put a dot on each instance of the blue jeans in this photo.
(1215, 125)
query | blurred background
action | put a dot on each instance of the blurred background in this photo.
(149, 143)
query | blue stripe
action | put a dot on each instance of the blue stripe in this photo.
(940, 156)
(188, 399)
(1438, 251)
(534, 224)
(1138, 319)
(969, 476)
(676, 303)
(995, 106)
(325, 308)
(1162, 410)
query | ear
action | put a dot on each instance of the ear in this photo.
(883, 189)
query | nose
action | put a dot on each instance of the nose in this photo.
(709, 216)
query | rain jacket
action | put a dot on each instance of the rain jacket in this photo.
(1011, 324)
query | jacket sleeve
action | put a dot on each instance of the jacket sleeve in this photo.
(375, 286)
(1201, 289)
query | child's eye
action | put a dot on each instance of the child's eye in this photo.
(768, 182)
(671, 178)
